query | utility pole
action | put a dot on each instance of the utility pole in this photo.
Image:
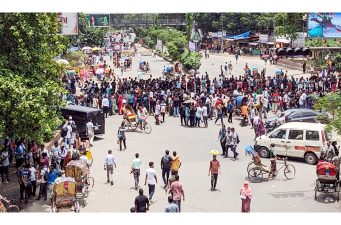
(222, 29)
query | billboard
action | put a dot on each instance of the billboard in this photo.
(324, 25)
(69, 23)
(98, 20)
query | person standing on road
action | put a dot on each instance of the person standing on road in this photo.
(205, 115)
(90, 131)
(177, 191)
(213, 170)
(222, 138)
(176, 164)
(151, 179)
(198, 115)
(4, 165)
(43, 183)
(230, 67)
(166, 161)
(141, 202)
(136, 169)
(121, 135)
(25, 182)
(235, 142)
(230, 111)
(163, 107)
(219, 114)
(105, 106)
(228, 143)
(171, 207)
(246, 195)
(109, 164)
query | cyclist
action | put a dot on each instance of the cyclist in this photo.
(141, 116)
(273, 158)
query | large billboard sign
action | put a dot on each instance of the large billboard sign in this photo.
(324, 25)
(98, 20)
(69, 22)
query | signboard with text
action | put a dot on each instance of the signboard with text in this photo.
(98, 20)
(69, 22)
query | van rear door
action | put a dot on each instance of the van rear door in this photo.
(296, 143)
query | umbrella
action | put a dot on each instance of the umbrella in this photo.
(96, 49)
(214, 152)
(62, 61)
(189, 101)
(71, 73)
(86, 48)
(99, 71)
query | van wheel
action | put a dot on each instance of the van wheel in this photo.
(264, 152)
(310, 158)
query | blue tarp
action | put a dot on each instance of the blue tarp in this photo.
(240, 36)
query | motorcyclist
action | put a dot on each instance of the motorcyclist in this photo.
(244, 113)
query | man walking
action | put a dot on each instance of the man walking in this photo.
(177, 191)
(109, 164)
(135, 169)
(151, 179)
(166, 161)
(230, 111)
(171, 207)
(141, 202)
(222, 138)
(105, 106)
(213, 171)
(90, 131)
(235, 142)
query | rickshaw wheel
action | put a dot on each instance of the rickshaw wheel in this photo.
(53, 208)
(91, 161)
(255, 175)
(90, 181)
(249, 166)
(76, 205)
(147, 128)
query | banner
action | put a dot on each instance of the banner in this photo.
(98, 20)
(191, 46)
(69, 23)
(300, 40)
(263, 38)
(324, 25)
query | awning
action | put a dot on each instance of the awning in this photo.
(253, 43)
(241, 36)
(270, 43)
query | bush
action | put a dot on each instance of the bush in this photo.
(191, 60)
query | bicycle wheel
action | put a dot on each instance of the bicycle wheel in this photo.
(90, 161)
(255, 175)
(289, 171)
(90, 181)
(249, 166)
(147, 128)
(13, 209)
(76, 205)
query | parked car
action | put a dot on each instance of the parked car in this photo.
(81, 115)
(296, 139)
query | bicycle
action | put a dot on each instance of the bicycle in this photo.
(255, 174)
(10, 208)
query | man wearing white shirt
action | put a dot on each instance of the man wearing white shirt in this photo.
(151, 179)
(105, 106)
(205, 115)
(109, 164)
(198, 115)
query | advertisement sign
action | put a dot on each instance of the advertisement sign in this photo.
(263, 38)
(324, 25)
(69, 23)
(191, 46)
(300, 40)
(98, 20)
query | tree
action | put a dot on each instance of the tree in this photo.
(331, 103)
(288, 24)
(30, 85)
(189, 23)
(191, 60)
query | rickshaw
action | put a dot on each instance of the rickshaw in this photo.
(79, 170)
(64, 195)
(326, 181)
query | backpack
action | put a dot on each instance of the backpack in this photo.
(238, 139)
(64, 131)
(74, 127)
(46, 176)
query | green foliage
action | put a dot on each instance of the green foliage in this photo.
(288, 24)
(317, 42)
(191, 60)
(29, 77)
(331, 103)
(189, 23)
(76, 58)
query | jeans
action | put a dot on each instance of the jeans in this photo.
(42, 191)
(186, 120)
(227, 149)
(27, 189)
(176, 111)
(221, 118)
(214, 179)
(163, 116)
(197, 121)
(110, 171)
(151, 189)
(4, 172)
(105, 110)
(124, 143)
(205, 121)
(178, 203)
(230, 117)
(223, 148)
(136, 173)
(234, 150)
(34, 187)
(165, 175)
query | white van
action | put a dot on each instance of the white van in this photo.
(296, 139)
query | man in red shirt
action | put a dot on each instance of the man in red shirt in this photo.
(213, 171)
(177, 191)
